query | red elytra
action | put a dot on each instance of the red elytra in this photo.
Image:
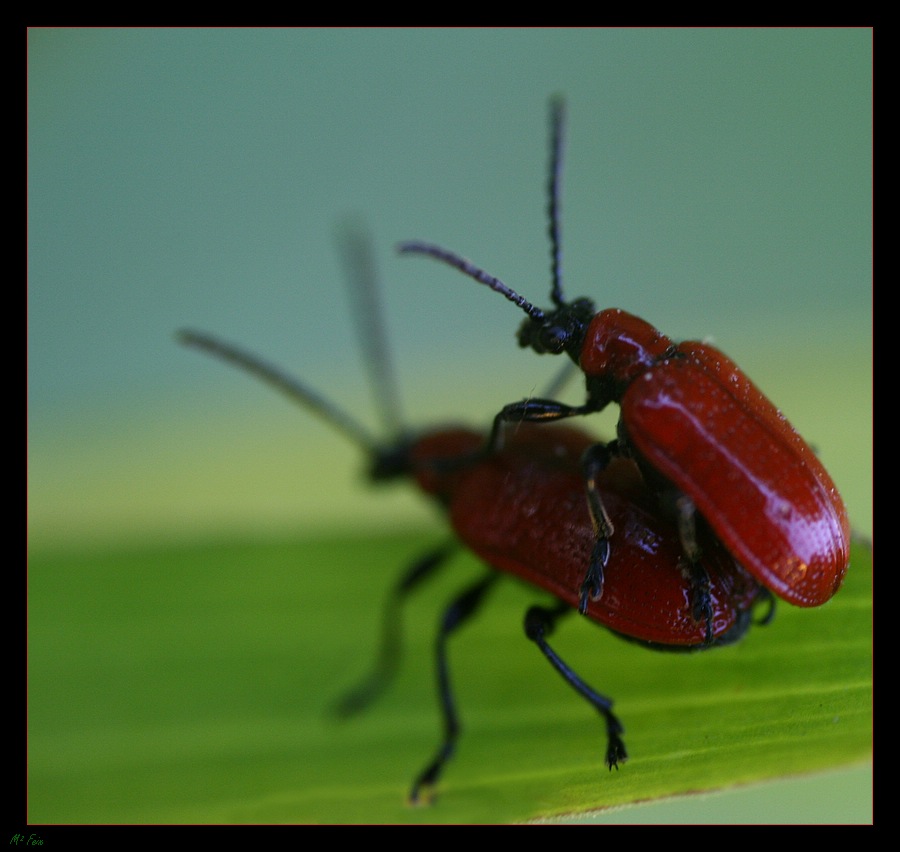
(702, 433)
(524, 512)
(689, 413)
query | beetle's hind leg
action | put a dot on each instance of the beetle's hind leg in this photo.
(701, 602)
(539, 622)
(461, 609)
(391, 649)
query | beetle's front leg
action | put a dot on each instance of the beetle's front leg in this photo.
(530, 411)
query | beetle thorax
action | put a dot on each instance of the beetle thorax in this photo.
(618, 347)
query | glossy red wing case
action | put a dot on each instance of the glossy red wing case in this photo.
(702, 424)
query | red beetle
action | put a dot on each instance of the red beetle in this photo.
(704, 436)
(522, 509)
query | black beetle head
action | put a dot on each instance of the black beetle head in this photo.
(561, 330)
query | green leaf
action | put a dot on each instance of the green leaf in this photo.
(193, 684)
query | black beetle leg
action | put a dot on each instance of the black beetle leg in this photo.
(766, 597)
(539, 622)
(460, 610)
(687, 531)
(530, 411)
(390, 651)
(595, 460)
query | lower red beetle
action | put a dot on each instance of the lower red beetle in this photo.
(711, 445)
(522, 509)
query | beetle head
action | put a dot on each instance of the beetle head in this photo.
(560, 330)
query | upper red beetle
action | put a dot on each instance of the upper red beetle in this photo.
(706, 439)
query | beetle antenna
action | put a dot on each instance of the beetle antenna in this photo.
(557, 126)
(280, 380)
(366, 304)
(473, 271)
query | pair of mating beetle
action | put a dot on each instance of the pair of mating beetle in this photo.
(707, 502)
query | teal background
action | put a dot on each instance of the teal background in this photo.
(717, 182)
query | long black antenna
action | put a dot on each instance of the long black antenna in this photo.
(557, 128)
(554, 192)
(355, 245)
(280, 380)
(473, 271)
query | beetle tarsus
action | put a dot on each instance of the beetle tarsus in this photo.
(592, 585)
(615, 749)
(427, 780)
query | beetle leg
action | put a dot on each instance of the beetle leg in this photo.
(528, 410)
(539, 622)
(460, 610)
(701, 609)
(531, 411)
(595, 460)
(687, 531)
(361, 696)
(765, 596)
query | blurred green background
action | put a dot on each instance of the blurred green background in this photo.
(717, 183)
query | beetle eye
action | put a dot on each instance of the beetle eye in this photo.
(552, 338)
